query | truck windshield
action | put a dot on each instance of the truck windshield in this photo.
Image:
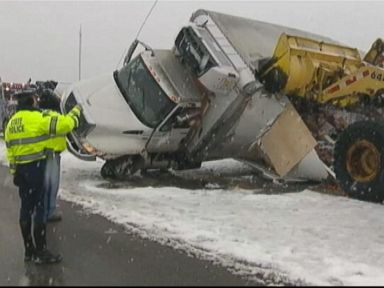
(143, 94)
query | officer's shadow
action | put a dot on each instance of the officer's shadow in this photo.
(42, 275)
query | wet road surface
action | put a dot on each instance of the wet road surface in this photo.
(98, 252)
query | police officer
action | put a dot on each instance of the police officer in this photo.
(50, 103)
(25, 136)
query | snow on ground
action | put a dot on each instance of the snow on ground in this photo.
(301, 237)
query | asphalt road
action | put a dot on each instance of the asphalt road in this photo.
(97, 252)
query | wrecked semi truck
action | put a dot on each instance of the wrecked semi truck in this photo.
(198, 101)
(341, 98)
(222, 92)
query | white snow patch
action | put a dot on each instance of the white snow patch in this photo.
(317, 238)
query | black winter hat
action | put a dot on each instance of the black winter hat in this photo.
(25, 98)
(49, 100)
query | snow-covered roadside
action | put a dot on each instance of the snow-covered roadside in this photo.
(320, 239)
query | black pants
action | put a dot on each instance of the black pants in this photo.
(30, 180)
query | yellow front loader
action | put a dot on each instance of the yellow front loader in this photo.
(324, 72)
(335, 91)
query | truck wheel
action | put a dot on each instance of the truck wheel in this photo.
(108, 170)
(119, 168)
(359, 161)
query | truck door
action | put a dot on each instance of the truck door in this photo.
(169, 134)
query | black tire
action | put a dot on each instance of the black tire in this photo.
(107, 170)
(378, 100)
(119, 168)
(359, 161)
(115, 169)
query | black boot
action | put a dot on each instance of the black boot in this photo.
(26, 231)
(42, 254)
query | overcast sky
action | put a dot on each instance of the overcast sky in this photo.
(41, 39)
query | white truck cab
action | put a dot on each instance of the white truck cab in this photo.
(176, 108)
(145, 107)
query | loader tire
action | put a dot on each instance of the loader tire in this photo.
(359, 161)
(378, 100)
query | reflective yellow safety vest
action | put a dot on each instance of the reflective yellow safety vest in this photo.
(58, 142)
(27, 132)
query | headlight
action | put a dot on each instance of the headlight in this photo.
(92, 150)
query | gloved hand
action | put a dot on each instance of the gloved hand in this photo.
(76, 120)
(76, 111)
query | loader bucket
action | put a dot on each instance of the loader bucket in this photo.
(309, 64)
